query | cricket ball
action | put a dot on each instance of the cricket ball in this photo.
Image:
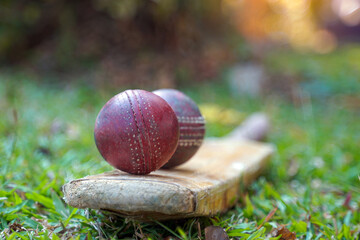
(136, 131)
(191, 124)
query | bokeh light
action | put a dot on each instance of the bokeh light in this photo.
(348, 11)
(298, 23)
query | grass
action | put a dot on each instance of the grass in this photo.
(311, 185)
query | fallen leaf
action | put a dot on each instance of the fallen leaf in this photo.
(268, 217)
(199, 229)
(16, 227)
(215, 233)
(284, 232)
(347, 201)
(44, 151)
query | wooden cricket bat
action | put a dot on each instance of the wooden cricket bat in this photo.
(206, 185)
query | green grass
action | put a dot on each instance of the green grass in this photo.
(46, 139)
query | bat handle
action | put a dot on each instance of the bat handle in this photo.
(255, 127)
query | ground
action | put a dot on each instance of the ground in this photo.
(311, 185)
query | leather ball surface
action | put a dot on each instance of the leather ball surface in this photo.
(191, 124)
(136, 131)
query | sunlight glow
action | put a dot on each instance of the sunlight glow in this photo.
(294, 22)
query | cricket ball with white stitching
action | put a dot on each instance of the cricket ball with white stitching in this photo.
(136, 131)
(191, 124)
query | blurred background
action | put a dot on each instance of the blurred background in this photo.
(167, 43)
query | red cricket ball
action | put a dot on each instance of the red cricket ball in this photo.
(191, 123)
(136, 131)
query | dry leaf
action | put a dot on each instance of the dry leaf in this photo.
(284, 232)
(16, 227)
(347, 201)
(215, 233)
(268, 217)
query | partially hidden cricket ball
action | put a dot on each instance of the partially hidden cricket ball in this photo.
(136, 131)
(191, 124)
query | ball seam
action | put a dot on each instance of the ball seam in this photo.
(138, 130)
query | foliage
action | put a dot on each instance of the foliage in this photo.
(64, 30)
(311, 185)
(113, 42)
